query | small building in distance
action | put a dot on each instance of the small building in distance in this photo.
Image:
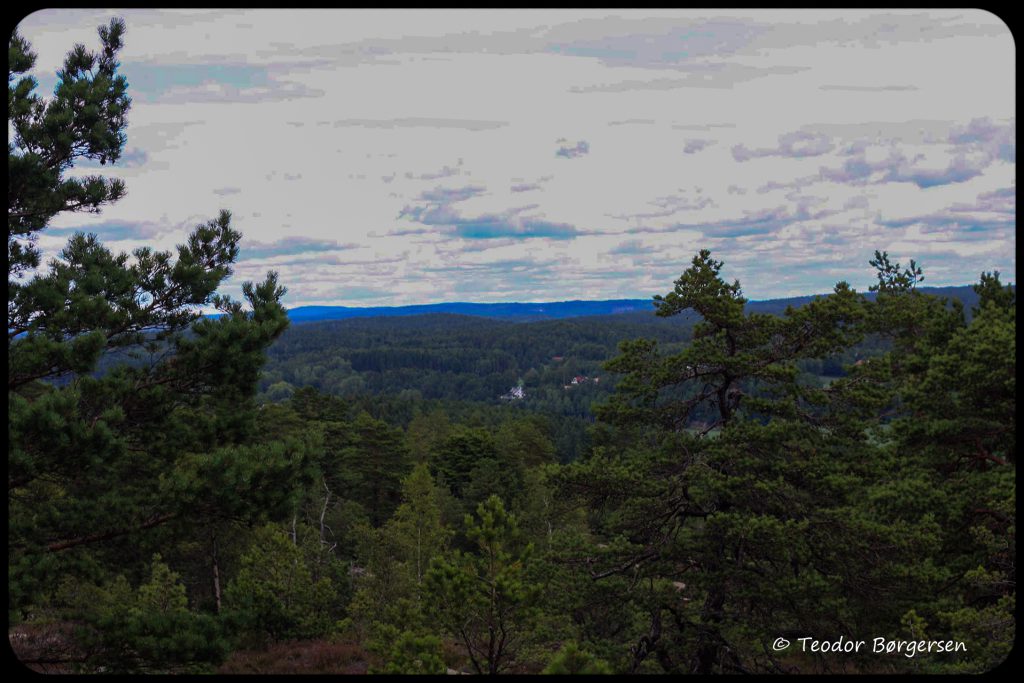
(515, 393)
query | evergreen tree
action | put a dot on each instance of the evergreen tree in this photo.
(951, 437)
(741, 503)
(131, 417)
(409, 653)
(706, 512)
(525, 442)
(571, 660)
(456, 457)
(395, 558)
(85, 119)
(274, 596)
(482, 599)
(425, 431)
(147, 630)
(372, 461)
(417, 523)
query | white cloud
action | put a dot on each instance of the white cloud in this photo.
(792, 143)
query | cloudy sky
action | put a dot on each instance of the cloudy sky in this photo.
(401, 157)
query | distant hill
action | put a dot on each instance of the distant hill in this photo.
(554, 310)
(557, 310)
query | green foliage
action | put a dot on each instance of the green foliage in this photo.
(85, 118)
(417, 524)
(525, 442)
(741, 503)
(425, 432)
(572, 660)
(395, 559)
(891, 278)
(991, 291)
(955, 430)
(148, 630)
(274, 595)
(457, 456)
(374, 458)
(482, 599)
(408, 653)
(131, 416)
(280, 391)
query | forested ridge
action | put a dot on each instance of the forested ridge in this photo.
(554, 310)
(671, 492)
(396, 366)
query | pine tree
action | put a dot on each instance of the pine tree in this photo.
(951, 439)
(370, 465)
(131, 417)
(408, 653)
(482, 599)
(456, 457)
(571, 660)
(740, 503)
(719, 470)
(395, 558)
(147, 630)
(85, 119)
(274, 596)
(417, 522)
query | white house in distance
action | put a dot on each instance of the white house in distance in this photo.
(580, 379)
(515, 393)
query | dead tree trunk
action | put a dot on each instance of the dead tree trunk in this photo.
(216, 573)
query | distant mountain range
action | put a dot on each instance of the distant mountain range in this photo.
(505, 311)
(554, 310)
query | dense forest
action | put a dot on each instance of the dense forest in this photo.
(396, 367)
(679, 491)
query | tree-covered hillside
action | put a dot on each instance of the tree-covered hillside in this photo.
(477, 358)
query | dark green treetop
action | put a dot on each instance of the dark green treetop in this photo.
(85, 119)
(131, 416)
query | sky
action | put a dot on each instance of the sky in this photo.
(400, 157)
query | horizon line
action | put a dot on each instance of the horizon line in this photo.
(571, 301)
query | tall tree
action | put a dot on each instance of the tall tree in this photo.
(373, 458)
(131, 416)
(950, 437)
(148, 630)
(742, 503)
(718, 469)
(395, 559)
(457, 456)
(418, 521)
(481, 599)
